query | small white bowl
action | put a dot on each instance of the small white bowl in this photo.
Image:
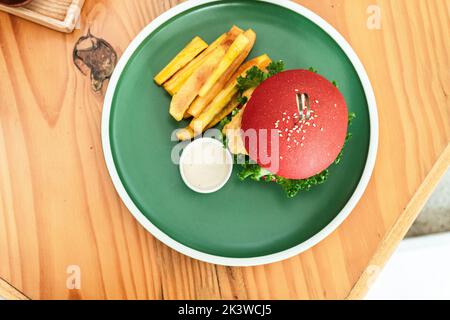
(216, 144)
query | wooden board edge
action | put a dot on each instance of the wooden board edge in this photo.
(67, 26)
(390, 242)
(73, 15)
(9, 292)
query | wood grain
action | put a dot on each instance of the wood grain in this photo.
(58, 206)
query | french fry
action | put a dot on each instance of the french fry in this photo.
(185, 134)
(224, 97)
(194, 48)
(248, 93)
(231, 35)
(174, 84)
(229, 108)
(188, 134)
(232, 129)
(233, 133)
(224, 113)
(200, 103)
(181, 101)
(186, 116)
(199, 124)
(233, 53)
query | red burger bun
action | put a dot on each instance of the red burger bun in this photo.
(306, 147)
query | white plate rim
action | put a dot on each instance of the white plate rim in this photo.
(261, 260)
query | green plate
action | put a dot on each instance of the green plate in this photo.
(245, 223)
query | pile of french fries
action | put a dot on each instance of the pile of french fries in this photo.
(202, 79)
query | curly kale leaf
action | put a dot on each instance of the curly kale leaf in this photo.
(242, 100)
(351, 117)
(290, 186)
(253, 78)
(293, 187)
(256, 76)
(275, 67)
(254, 172)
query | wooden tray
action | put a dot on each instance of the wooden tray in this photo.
(60, 15)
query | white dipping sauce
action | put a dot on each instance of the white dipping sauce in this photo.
(206, 165)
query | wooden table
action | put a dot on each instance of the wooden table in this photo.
(58, 207)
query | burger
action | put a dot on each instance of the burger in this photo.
(291, 129)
